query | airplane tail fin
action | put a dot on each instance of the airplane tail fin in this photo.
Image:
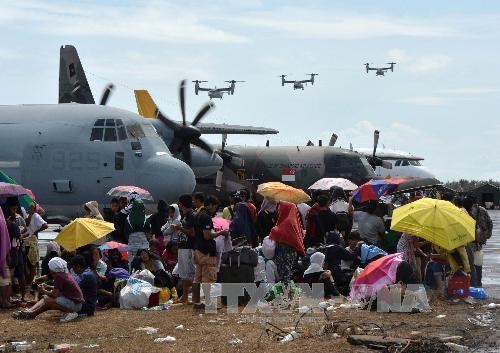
(73, 84)
(145, 104)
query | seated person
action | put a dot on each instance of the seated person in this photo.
(348, 266)
(65, 295)
(116, 260)
(169, 256)
(146, 260)
(88, 282)
(98, 265)
(335, 253)
(315, 273)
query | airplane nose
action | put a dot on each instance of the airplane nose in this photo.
(166, 178)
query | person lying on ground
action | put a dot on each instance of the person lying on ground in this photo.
(65, 296)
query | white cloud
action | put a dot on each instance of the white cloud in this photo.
(420, 64)
(424, 101)
(148, 20)
(305, 22)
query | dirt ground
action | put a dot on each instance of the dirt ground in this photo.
(114, 330)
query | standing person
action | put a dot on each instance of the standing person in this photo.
(157, 221)
(340, 207)
(320, 220)
(120, 220)
(65, 295)
(335, 254)
(35, 224)
(484, 230)
(112, 211)
(205, 254)
(244, 196)
(174, 217)
(266, 218)
(136, 227)
(185, 245)
(371, 227)
(242, 225)
(228, 211)
(92, 210)
(5, 245)
(289, 237)
(198, 202)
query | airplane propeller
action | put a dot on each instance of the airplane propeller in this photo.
(106, 93)
(186, 134)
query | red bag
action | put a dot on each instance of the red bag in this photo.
(458, 286)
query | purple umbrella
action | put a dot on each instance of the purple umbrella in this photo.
(9, 190)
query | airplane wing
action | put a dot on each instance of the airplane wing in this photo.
(72, 76)
(303, 81)
(222, 89)
(204, 89)
(147, 108)
(289, 81)
(215, 128)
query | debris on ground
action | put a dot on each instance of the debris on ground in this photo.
(482, 320)
(168, 339)
(180, 328)
(234, 340)
(289, 337)
(440, 316)
(149, 330)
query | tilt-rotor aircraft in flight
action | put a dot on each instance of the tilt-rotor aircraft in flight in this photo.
(182, 138)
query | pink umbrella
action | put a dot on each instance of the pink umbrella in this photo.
(123, 191)
(375, 276)
(220, 223)
(9, 190)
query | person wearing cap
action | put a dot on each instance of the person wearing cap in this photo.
(65, 295)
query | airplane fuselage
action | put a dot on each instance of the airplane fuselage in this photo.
(215, 94)
(298, 85)
(72, 153)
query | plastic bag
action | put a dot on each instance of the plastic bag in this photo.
(268, 248)
(145, 275)
(478, 293)
(135, 294)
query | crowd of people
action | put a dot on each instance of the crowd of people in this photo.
(324, 242)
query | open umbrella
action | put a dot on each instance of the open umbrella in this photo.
(123, 191)
(25, 200)
(374, 189)
(220, 223)
(376, 275)
(282, 192)
(326, 184)
(83, 231)
(9, 190)
(437, 221)
(122, 248)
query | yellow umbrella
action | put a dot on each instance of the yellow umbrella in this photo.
(439, 222)
(83, 231)
(282, 192)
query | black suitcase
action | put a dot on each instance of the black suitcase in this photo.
(237, 266)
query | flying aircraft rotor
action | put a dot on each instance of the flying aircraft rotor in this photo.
(380, 71)
(186, 134)
(298, 84)
(215, 92)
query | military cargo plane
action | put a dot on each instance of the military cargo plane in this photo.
(182, 138)
(72, 153)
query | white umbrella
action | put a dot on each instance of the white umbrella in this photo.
(328, 183)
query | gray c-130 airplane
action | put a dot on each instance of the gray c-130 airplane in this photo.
(72, 153)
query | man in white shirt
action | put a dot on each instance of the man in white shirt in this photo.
(35, 224)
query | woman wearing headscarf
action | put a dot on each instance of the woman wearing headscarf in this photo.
(316, 273)
(92, 210)
(168, 232)
(289, 237)
(136, 227)
(242, 225)
(158, 220)
(266, 218)
(65, 295)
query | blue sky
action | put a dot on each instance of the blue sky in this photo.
(441, 102)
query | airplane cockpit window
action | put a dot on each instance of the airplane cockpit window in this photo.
(398, 164)
(108, 130)
(406, 163)
(149, 130)
(135, 130)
